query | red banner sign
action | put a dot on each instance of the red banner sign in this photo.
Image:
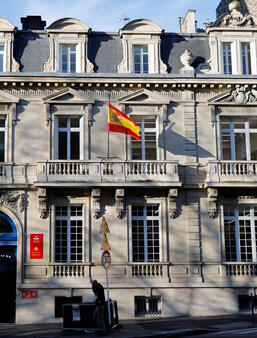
(36, 246)
(29, 294)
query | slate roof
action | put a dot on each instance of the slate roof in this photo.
(32, 50)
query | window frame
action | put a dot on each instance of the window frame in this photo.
(247, 131)
(237, 218)
(56, 136)
(4, 56)
(141, 56)
(5, 129)
(69, 218)
(142, 133)
(140, 202)
(77, 57)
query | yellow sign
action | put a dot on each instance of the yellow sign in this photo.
(105, 244)
(104, 228)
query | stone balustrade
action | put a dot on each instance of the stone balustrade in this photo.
(236, 172)
(241, 269)
(108, 172)
(17, 174)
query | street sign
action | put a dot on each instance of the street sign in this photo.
(106, 259)
(104, 227)
(105, 243)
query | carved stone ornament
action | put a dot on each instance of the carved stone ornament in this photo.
(212, 196)
(119, 198)
(236, 18)
(13, 200)
(241, 96)
(96, 199)
(172, 202)
(187, 59)
(42, 202)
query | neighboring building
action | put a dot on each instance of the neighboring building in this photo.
(181, 205)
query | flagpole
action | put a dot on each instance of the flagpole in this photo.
(108, 134)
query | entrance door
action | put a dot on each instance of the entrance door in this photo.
(8, 245)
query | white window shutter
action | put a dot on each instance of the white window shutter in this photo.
(78, 58)
(234, 58)
(151, 61)
(253, 57)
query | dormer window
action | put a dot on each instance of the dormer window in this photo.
(141, 59)
(68, 47)
(141, 48)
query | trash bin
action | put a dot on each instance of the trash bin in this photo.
(80, 316)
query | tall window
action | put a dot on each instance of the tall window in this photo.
(2, 57)
(68, 58)
(146, 233)
(227, 58)
(141, 59)
(2, 138)
(69, 237)
(69, 137)
(240, 226)
(246, 58)
(146, 149)
(239, 139)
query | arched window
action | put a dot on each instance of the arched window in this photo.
(8, 231)
(5, 226)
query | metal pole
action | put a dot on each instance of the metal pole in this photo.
(108, 298)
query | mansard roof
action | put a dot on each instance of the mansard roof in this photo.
(32, 50)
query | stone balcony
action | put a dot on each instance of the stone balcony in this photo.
(17, 175)
(107, 173)
(231, 173)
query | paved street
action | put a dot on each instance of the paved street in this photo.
(202, 327)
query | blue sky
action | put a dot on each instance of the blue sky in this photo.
(107, 15)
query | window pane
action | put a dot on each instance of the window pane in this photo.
(226, 146)
(253, 140)
(74, 122)
(240, 147)
(63, 122)
(2, 145)
(246, 58)
(1, 63)
(227, 61)
(5, 226)
(75, 146)
(62, 145)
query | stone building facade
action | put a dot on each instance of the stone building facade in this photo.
(181, 205)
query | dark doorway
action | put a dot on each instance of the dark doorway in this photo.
(8, 283)
(8, 246)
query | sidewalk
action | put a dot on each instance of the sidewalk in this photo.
(159, 327)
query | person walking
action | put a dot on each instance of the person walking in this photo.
(99, 312)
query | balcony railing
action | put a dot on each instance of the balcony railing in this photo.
(147, 270)
(223, 172)
(241, 269)
(68, 270)
(89, 172)
(17, 174)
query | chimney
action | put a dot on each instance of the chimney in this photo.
(189, 24)
(33, 22)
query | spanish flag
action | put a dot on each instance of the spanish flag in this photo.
(121, 123)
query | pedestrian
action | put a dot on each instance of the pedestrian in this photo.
(99, 312)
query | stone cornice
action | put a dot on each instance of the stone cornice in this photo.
(42, 82)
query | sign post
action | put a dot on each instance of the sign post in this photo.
(106, 262)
